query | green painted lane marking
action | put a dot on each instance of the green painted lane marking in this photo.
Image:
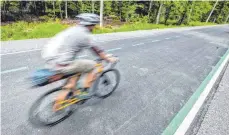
(180, 116)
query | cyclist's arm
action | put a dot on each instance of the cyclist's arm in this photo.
(101, 53)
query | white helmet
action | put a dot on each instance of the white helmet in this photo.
(88, 19)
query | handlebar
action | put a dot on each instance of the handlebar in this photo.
(109, 65)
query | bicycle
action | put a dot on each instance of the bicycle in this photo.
(66, 106)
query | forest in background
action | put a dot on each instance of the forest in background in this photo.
(133, 15)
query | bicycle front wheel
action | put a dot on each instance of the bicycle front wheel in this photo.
(42, 114)
(106, 83)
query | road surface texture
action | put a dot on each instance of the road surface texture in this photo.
(216, 119)
(159, 72)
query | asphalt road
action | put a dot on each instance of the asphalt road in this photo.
(158, 75)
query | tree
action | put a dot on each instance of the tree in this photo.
(212, 11)
(120, 9)
(200, 11)
(60, 10)
(73, 8)
(184, 13)
(159, 13)
(221, 11)
(128, 11)
(150, 7)
(227, 18)
(45, 6)
(93, 6)
(168, 6)
(190, 12)
(168, 12)
(115, 9)
(225, 13)
(35, 7)
(3, 12)
(66, 9)
(53, 4)
(101, 13)
(107, 8)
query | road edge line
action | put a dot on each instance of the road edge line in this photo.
(183, 119)
(13, 70)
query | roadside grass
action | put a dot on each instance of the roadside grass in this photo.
(131, 27)
(25, 30)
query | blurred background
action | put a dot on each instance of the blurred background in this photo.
(38, 19)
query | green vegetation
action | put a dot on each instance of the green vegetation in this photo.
(25, 30)
(144, 26)
(36, 19)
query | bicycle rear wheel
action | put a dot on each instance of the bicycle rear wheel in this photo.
(41, 112)
(106, 83)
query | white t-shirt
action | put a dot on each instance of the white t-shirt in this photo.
(64, 47)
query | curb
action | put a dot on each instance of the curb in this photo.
(184, 118)
(197, 122)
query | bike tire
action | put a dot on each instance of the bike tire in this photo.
(37, 121)
(117, 79)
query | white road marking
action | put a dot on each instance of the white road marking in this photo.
(168, 38)
(24, 68)
(34, 50)
(138, 44)
(14, 70)
(121, 38)
(21, 52)
(111, 50)
(195, 108)
(155, 40)
(113, 39)
(177, 36)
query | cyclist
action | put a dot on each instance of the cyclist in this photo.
(61, 51)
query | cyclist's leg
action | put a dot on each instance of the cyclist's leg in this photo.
(79, 66)
(85, 66)
(89, 79)
(71, 83)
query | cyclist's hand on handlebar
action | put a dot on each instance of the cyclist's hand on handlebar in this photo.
(112, 59)
(108, 57)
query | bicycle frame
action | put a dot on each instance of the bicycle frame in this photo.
(76, 98)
